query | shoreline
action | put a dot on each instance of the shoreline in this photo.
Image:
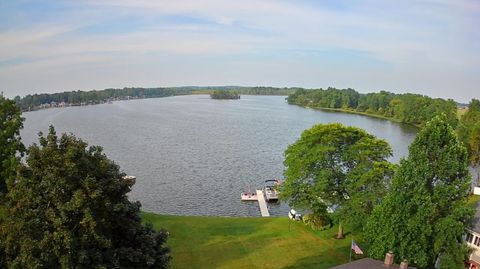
(358, 113)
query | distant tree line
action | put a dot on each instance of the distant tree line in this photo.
(76, 98)
(408, 108)
(34, 101)
(265, 90)
(218, 94)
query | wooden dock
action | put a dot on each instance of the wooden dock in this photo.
(262, 203)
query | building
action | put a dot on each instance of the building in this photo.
(367, 263)
(472, 238)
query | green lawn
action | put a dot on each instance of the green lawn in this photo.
(461, 112)
(473, 200)
(225, 242)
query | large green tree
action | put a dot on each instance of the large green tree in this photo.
(337, 167)
(469, 133)
(425, 212)
(473, 145)
(10, 144)
(69, 208)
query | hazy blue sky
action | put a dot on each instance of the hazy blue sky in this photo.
(429, 46)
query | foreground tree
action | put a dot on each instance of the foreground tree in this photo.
(10, 144)
(469, 133)
(474, 148)
(336, 167)
(69, 209)
(425, 212)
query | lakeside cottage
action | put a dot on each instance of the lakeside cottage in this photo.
(472, 238)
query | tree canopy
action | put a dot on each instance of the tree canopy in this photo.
(69, 209)
(473, 145)
(425, 212)
(337, 167)
(10, 143)
(469, 133)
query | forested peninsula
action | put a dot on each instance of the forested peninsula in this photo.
(414, 109)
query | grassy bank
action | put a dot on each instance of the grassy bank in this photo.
(224, 242)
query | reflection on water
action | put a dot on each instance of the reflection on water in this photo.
(193, 155)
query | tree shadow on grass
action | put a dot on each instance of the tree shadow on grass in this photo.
(344, 236)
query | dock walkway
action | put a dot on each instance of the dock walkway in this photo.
(262, 203)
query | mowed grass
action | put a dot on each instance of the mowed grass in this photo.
(461, 112)
(225, 242)
(473, 200)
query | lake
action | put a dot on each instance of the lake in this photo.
(193, 155)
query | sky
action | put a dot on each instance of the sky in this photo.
(430, 47)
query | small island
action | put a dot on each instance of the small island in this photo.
(218, 94)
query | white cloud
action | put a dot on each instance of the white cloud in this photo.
(435, 38)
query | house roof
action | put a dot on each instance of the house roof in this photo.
(367, 263)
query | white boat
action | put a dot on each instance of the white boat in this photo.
(271, 194)
(249, 195)
(293, 215)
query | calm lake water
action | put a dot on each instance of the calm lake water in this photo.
(193, 155)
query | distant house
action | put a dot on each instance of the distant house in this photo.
(472, 238)
(368, 263)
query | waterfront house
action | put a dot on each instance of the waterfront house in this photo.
(472, 238)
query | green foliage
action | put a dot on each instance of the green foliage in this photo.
(469, 132)
(69, 208)
(10, 143)
(218, 94)
(425, 212)
(317, 221)
(473, 146)
(408, 108)
(338, 167)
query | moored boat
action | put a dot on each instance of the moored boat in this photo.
(249, 195)
(271, 194)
